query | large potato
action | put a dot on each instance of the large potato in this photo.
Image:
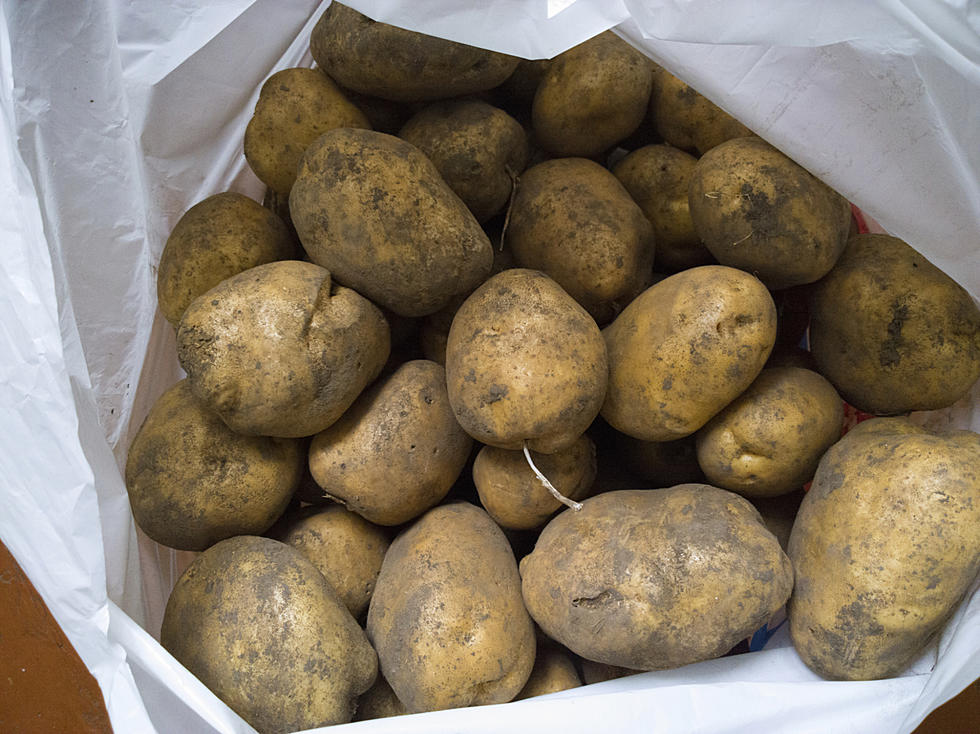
(658, 178)
(375, 212)
(397, 451)
(513, 495)
(656, 578)
(525, 363)
(885, 544)
(757, 210)
(891, 331)
(256, 622)
(686, 119)
(684, 349)
(294, 108)
(573, 220)
(280, 350)
(398, 64)
(479, 150)
(592, 96)
(192, 481)
(345, 548)
(769, 440)
(447, 618)
(216, 239)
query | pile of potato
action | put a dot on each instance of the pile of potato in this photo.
(475, 277)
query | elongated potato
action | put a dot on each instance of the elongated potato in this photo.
(447, 618)
(375, 212)
(885, 544)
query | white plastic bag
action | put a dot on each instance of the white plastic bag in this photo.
(119, 115)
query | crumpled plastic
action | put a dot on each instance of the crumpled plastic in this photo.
(118, 115)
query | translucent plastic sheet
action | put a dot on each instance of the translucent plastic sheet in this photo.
(119, 115)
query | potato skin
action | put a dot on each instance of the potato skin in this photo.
(591, 97)
(395, 233)
(655, 579)
(279, 350)
(294, 108)
(215, 239)
(192, 481)
(515, 498)
(225, 623)
(400, 65)
(553, 671)
(684, 349)
(478, 149)
(524, 362)
(573, 220)
(757, 210)
(397, 451)
(345, 548)
(769, 440)
(891, 331)
(447, 618)
(885, 544)
(658, 178)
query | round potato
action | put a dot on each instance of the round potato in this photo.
(479, 150)
(393, 63)
(258, 624)
(684, 349)
(658, 178)
(294, 108)
(525, 364)
(395, 233)
(553, 671)
(757, 210)
(279, 350)
(193, 482)
(514, 496)
(769, 440)
(591, 97)
(345, 548)
(657, 578)
(891, 331)
(573, 220)
(688, 120)
(397, 451)
(379, 702)
(216, 239)
(885, 544)
(447, 618)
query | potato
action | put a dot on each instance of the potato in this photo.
(395, 233)
(401, 65)
(655, 579)
(593, 672)
(397, 451)
(757, 210)
(294, 108)
(553, 671)
(684, 349)
(591, 97)
(447, 618)
(193, 482)
(258, 624)
(573, 220)
(891, 331)
(216, 239)
(514, 496)
(478, 149)
(885, 544)
(658, 178)
(769, 440)
(280, 350)
(524, 363)
(686, 119)
(345, 548)
(379, 702)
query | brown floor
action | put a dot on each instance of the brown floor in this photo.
(36, 659)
